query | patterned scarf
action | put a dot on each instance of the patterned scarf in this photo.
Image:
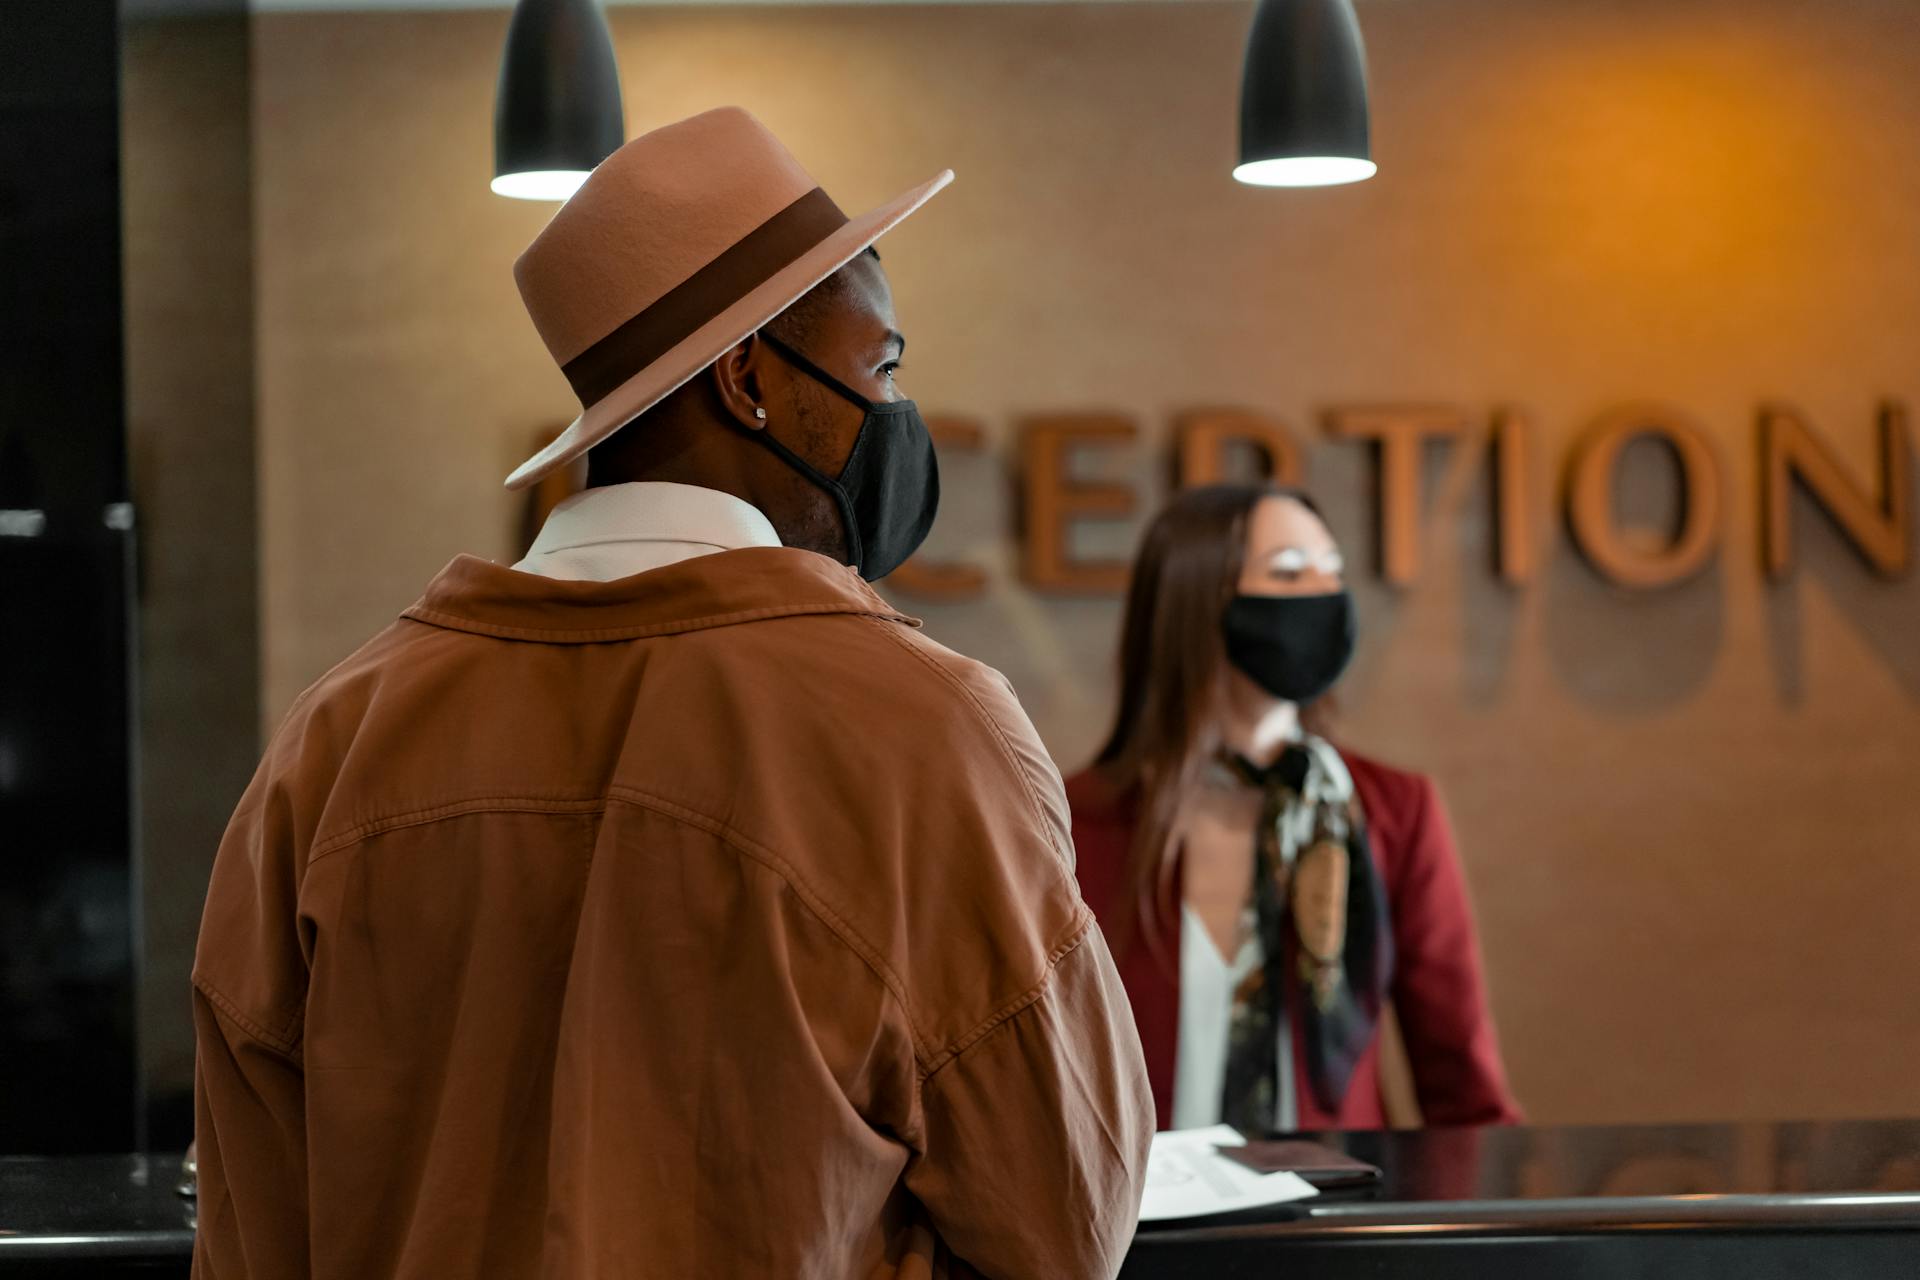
(1321, 914)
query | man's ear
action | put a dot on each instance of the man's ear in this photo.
(736, 378)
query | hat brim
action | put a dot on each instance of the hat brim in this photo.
(717, 336)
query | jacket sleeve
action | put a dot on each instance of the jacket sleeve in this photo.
(1439, 994)
(1033, 1118)
(249, 1001)
(1035, 1135)
(250, 1141)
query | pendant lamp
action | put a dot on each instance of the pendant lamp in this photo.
(1303, 97)
(557, 111)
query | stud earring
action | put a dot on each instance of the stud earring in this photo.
(760, 414)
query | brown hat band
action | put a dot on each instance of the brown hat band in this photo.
(747, 264)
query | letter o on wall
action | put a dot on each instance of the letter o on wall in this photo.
(1590, 499)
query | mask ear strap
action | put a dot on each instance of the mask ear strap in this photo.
(815, 371)
(834, 489)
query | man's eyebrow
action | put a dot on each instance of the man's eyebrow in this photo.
(898, 339)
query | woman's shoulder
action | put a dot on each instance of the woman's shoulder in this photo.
(1104, 812)
(1386, 784)
(1094, 796)
(1402, 810)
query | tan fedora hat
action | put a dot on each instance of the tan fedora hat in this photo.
(679, 245)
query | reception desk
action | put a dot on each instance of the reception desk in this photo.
(1744, 1202)
(1701, 1202)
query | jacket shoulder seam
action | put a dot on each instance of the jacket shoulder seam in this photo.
(815, 902)
(1013, 1008)
(931, 1058)
(811, 898)
(286, 1044)
(366, 830)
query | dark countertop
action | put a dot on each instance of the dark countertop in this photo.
(1618, 1177)
(1705, 1202)
(1851, 1179)
(79, 1207)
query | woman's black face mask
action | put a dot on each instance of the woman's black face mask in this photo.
(889, 489)
(1294, 647)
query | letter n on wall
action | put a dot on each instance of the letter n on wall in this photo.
(1881, 532)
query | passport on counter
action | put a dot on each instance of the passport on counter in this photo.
(1322, 1167)
(1191, 1180)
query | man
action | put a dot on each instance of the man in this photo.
(667, 906)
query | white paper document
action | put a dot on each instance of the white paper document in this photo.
(1187, 1178)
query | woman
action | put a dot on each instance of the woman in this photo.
(1266, 895)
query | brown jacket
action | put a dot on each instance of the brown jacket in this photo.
(710, 922)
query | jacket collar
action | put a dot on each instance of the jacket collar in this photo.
(719, 590)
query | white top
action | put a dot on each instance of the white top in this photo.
(1207, 984)
(623, 529)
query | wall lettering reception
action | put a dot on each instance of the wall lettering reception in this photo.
(1873, 513)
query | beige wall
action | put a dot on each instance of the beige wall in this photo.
(186, 201)
(1690, 818)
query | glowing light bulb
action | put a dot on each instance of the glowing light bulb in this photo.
(540, 184)
(1305, 171)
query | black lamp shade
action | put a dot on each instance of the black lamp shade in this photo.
(1303, 96)
(557, 113)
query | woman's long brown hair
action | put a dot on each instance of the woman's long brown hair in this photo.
(1172, 659)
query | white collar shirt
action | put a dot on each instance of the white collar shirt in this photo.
(619, 530)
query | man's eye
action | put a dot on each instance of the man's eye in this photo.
(890, 368)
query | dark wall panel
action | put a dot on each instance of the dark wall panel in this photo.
(67, 1041)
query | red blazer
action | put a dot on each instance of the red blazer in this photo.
(1437, 990)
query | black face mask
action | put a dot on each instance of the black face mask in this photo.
(890, 488)
(1294, 647)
